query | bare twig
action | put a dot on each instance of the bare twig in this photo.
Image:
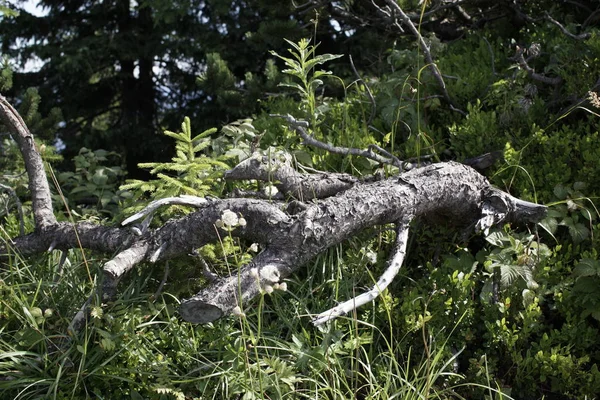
(61, 264)
(183, 200)
(81, 316)
(162, 282)
(462, 13)
(276, 169)
(381, 284)
(451, 5)
(425, 49)
(531, 72)
(300, 127)
(493, 61)
(208, 274)
(593, 17)
(564, 30)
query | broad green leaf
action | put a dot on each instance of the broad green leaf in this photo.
(579, 232)
(496, 238)
(587, 267)
(549, 225)
(561, 192)
(589, 285)
(315, 83)
(556, 212)
(321, 59)
(587, 214)
(303, 157)
(321, 73)
(294, 86)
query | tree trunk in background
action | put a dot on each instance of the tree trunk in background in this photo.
(137, 123)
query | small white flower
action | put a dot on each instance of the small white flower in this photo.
(276, 286)
(219, 223)
(270, 191)
(534, 50)
(237, 311)
(461, 276)
(268, 289)
(283, 287)
(242, 222)
(229, 218)
(371, 256)
(254, 272)
(594, 99)
(253, 248)
(269, 273)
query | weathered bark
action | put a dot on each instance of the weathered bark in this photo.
(450, 191)
(340, 207)
(38, 183)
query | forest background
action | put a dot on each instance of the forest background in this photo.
(511, 314)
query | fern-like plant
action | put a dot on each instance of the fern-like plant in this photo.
(191, 171)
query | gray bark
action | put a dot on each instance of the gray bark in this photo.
(340, 206)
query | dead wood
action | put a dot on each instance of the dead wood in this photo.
(332, 208)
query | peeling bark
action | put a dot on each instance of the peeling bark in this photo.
(341, 206)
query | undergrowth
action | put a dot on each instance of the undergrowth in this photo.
(511, 314)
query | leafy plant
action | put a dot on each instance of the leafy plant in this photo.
(93, 187)
(192, 171)
(302, 67)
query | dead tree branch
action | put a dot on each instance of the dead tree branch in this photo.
(382, 283)
(564, 30)
(38, 182)
(341, 207)
(432, 66)
(301, 126)
(531, 72)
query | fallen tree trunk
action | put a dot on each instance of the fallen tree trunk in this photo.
(290, 236)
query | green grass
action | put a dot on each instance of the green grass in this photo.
(139, 348)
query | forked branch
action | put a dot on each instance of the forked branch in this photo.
(341, 206)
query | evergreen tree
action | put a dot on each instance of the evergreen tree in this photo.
(121, 71)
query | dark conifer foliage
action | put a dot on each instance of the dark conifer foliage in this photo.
(123, 70)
